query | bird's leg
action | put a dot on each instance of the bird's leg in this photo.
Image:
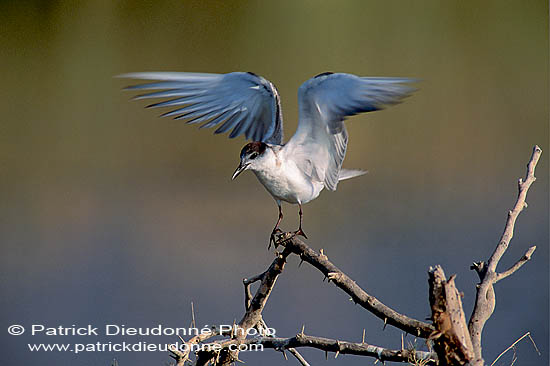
(276, 230)
(300, 231)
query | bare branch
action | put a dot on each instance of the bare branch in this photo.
(528, 334)
(182, 357)
(262, 327)
(524, 259)
(254, 308)
(247, 294)
(340, 279)
(298, 356)
(253, 313)
(485, 297)
(338, 347)
(523, 188)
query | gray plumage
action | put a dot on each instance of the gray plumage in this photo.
(247, 104)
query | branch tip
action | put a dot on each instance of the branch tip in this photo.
(485, 297)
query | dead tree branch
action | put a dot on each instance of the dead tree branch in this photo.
(182, 357)
(524, 259)
(255, 305)
(340, 347)
(451, 340)
(485, 297)
(359, 296)
(528, 334)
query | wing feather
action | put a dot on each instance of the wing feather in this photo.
(244, 102)
(320, 142)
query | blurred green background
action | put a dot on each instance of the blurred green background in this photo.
(113, 216)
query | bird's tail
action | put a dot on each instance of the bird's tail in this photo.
(350, 173)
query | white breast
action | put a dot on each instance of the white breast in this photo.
(286, 182)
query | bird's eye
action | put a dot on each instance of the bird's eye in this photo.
(253, 155)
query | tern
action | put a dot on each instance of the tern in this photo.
(248, 104)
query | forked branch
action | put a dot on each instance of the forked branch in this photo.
(485, 297)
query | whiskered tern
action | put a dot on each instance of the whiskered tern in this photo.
(248, 104)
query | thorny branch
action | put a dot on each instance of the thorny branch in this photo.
(359, 296)
(340, 347)
(261, 324)
(183, 356)
(253, 315)
(253, 319)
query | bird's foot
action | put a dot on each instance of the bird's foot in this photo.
(278, 236)
(274, 238)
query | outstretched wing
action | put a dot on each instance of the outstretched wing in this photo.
(320, 142)
(239, 101)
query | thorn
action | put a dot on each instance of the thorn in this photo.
(332, 276)
(303, 328)
(193, 324)
(326, 355)
(402, 343)
(337, 353)
(525, 205)
(363, 339)
(284, 354)
(301, 261)
(385, 323)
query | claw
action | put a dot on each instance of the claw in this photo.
(273, 238)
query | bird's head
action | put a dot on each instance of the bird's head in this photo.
(252, 155)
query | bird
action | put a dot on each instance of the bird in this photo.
(248, 104)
